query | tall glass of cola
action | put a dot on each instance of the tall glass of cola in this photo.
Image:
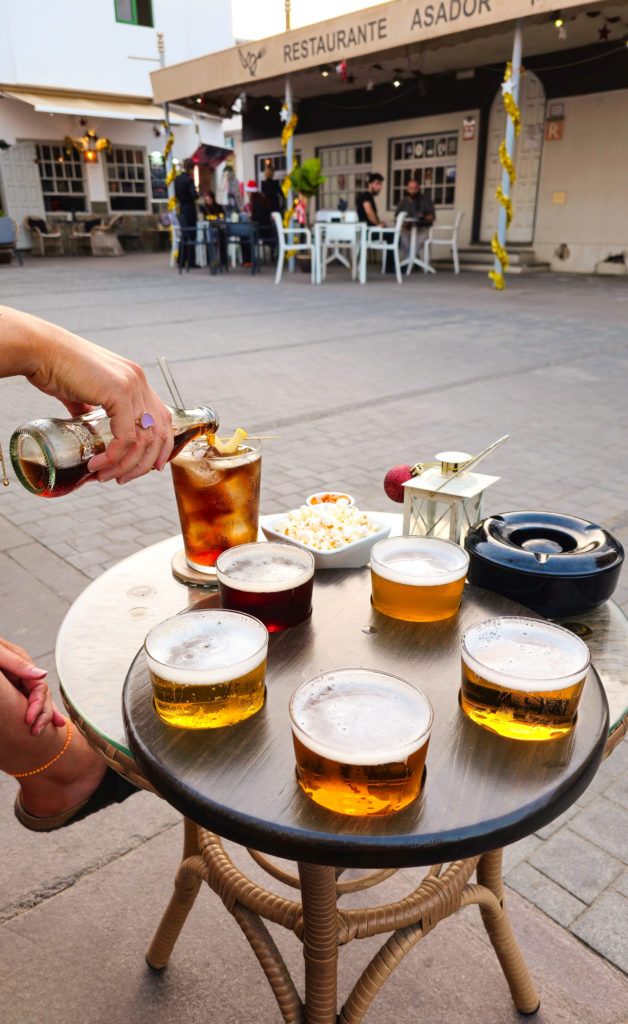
(218, 499)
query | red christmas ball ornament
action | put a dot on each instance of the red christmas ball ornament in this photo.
(393, 481)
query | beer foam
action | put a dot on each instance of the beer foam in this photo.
(525, 654)
(266, 568)
(361, 717)
(419, 561)
(206, 647)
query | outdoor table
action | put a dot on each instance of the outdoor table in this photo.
(359, 232)
(481, 791)
(413, 259)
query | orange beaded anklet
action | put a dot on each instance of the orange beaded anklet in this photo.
(35, 771)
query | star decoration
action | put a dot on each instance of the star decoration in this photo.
(284, 114)
(604, 33)
(507, 87)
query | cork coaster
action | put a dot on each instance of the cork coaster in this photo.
(191, 577)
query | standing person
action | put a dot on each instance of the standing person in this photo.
(271, 189)
(365, 201)
(186, 196)
(419, 209)
(61, 779)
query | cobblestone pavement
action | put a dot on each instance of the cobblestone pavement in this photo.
(354, 380)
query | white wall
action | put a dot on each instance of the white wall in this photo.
(378, 135)
(77, 44)
(589, 165)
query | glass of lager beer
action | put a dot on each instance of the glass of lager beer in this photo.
(522, 678)
(419, 579)
(360, 740)
(271, 581)
(207, 668)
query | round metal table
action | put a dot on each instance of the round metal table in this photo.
(481, 791)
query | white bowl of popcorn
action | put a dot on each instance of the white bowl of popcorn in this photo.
(339, 537)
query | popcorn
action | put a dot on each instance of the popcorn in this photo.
(326, 527)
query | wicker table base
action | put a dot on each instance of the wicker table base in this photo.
(322, 926)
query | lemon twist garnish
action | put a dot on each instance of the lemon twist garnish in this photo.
(231, 445)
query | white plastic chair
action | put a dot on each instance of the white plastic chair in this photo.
(444, 234)
(340, 239)
(293, 239)
(387, 240)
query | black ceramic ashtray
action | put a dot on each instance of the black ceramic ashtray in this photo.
(557, 565)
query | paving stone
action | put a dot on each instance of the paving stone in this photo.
(606, 824)
(577, 864)
(516, 852)
(621, 883)
(604, 927)
(618, 792)
(549, 897)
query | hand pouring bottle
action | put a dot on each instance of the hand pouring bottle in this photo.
(50, 456)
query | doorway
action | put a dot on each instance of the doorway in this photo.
(526, 158)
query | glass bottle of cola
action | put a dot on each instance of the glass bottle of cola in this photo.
(50, 456)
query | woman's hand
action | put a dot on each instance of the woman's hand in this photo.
(20, 670)
(83, 375)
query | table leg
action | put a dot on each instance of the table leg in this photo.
(499, 929)
(186, 886)
(320, 942)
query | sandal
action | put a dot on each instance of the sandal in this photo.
(113, 789)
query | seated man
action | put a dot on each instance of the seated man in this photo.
(420, 209)
(365, 201)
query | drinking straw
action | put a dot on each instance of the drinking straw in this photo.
(170, 382)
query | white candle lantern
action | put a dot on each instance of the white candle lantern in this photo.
(435, 505)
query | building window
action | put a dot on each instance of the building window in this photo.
(277, 160)
(61, 176)
(431, 159)
(134, 12)
(346, 169)
(126, 179)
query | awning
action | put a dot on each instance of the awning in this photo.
(210, 156)
(393, 29)
(75, 104)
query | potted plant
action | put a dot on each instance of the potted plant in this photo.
(306, 179)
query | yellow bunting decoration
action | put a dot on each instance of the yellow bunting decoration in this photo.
(287, 132)
(506, 202)
(286, 184)
(512, 111)
(507, 163)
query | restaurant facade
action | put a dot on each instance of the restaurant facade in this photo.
(65, 92)
(416, 89)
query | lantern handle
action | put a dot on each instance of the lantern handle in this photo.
(472, 463)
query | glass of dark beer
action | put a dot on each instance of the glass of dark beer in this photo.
(360, 740)
(523, 678)
(207, 668)
(271, 581)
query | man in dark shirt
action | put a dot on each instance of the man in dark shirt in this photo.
(186, 195)
(365, 201)
(420, 209)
